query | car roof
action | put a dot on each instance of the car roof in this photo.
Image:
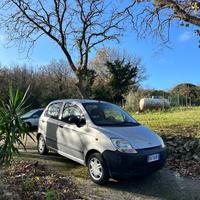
(78, 101)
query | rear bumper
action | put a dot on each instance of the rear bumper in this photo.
(123, 165)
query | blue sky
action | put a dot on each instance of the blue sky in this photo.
(165, 69)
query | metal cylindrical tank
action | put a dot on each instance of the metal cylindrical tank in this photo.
(151, 104)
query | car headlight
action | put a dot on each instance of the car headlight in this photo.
(123, 145)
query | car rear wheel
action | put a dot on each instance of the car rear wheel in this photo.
(41, 146)
(97, 169)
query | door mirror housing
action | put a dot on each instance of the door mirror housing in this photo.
(77, 120)
(82, 122)
(73, 119)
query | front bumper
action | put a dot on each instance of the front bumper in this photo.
(124, 165)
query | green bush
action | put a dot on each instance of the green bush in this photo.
(52, 194)
(12, 128)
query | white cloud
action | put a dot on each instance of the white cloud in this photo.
(185, 37)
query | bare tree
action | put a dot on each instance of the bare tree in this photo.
(47, 82)
(102, 88)
(105, 55)
(77, 27)
(59, 75)
(156, 17)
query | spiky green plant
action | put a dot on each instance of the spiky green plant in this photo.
(12, 128)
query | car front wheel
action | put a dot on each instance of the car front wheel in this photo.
(41, 146)
(97, 169)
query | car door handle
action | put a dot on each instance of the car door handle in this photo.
(61, 126)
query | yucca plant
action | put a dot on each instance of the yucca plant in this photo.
(12, 128)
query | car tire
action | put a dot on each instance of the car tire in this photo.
(97, 169)
(41, 146)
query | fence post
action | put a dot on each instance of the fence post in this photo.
(178, 100)
(186, 99)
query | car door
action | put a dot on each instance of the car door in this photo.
(69, 135)
(51, 122)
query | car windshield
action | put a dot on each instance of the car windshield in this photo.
(30, 113)
(106, 114)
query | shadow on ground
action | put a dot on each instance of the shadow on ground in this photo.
(57, 162)
(164, 184)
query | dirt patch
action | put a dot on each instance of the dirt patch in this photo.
(28, 180)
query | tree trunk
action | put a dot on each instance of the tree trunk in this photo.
(82, 89)
(85, 81)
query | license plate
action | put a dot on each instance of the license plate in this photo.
(153, 157)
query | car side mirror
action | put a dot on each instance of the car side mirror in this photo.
(82, 122)
(76, 120)
(73, 119)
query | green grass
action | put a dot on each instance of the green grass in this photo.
(181, 121)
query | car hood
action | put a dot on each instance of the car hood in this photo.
(139, 136)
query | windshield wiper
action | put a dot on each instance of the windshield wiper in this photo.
(119, 124)
(130, 123)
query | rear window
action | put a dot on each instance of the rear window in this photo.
(53, 110)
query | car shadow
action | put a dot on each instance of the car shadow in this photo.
(56, 162)
(163, 184)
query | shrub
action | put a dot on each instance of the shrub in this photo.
(12, 128)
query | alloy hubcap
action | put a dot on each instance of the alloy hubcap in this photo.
(95, 169)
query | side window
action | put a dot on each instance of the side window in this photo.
(71, 110)
(53, 110)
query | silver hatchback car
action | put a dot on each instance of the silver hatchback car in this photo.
(102, 136)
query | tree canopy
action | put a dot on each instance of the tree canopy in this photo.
(77, 27)
(156, 17)
(186, 89)
(123, 77)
